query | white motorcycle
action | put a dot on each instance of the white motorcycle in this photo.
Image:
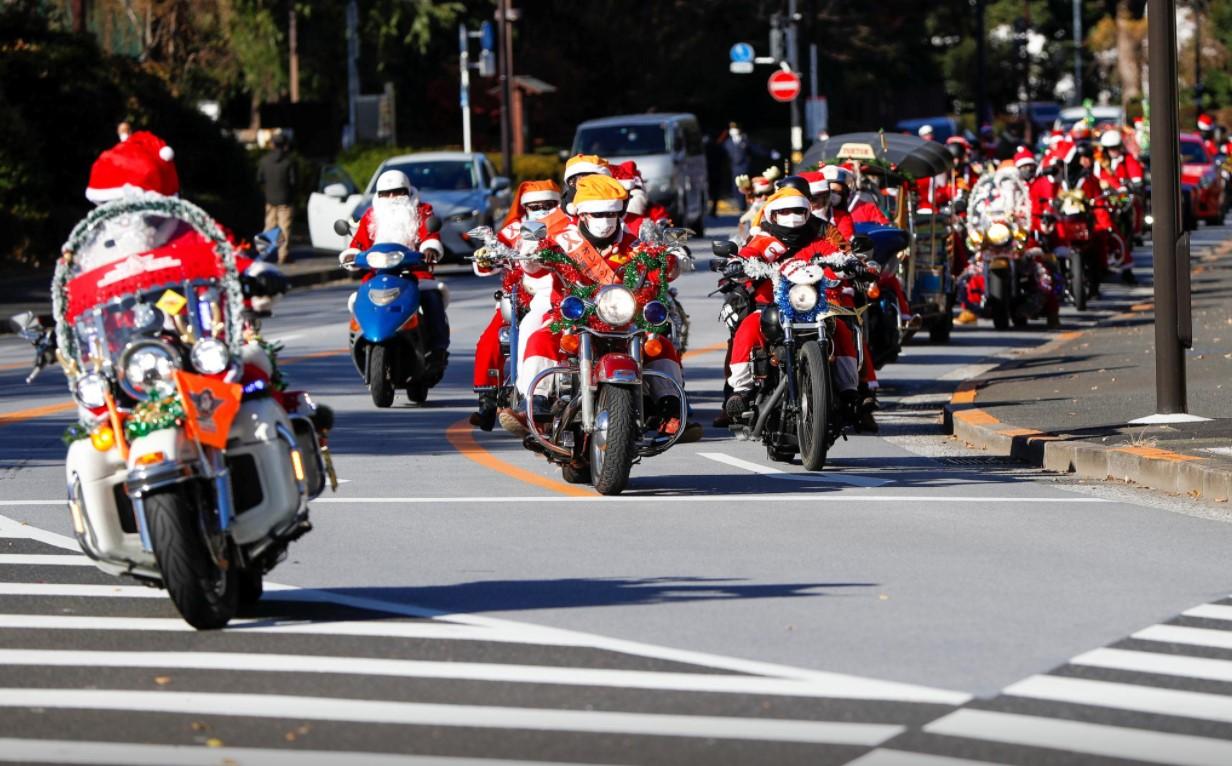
(188, 469)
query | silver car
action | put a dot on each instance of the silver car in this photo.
(462, 188)
(668, 151)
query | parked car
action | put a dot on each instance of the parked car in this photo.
(463, 189)
(1202, 189)
(1104, 115)
(943, 126)
(668, 151)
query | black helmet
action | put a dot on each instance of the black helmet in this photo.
(1085, 150)
(795, 182)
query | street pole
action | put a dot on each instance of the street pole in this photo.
(352, 36)
(793, 61)
(464, 97)
(1166, 239)
(1077, 51)
(1197, 11)
(293, 65)
(982, 114)
(506, 81)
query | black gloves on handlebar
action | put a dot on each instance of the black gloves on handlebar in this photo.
(266, 283)
(733, 269)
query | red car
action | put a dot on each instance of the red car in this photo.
(1201, 184)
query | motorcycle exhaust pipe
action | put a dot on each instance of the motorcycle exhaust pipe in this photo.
(585, 364)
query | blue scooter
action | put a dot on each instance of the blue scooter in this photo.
(388, 340)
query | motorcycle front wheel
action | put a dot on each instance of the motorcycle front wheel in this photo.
(612, 443)
(1078, 279)
(205, 595)
(813, 423)
(380, 376)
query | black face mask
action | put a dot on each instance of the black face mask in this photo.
(795, 238)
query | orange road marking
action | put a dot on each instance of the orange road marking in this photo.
(1020, 432)
(1142, 307)
(19, 416)
(705, 350)
(463, 440)
(966, 396)
(976, 417)
(1154, 453)
(315, 355)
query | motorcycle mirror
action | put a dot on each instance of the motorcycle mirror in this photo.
(677, 234)
(433, 224)
(342, 227)
(724, 248)
(24, 321)
(862, 244)
(480, 232)
(534, 231)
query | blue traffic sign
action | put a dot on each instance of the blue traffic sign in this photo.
(741, 52)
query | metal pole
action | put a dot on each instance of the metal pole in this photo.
(1165, 206)
(1197, 11)
(352, 35)
(464, 96)
(506, 78)
(1077, 51)
(293, 66)
(981, 65)
(793, 60)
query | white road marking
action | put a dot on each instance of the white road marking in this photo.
(1143, 699)
(1089, 738)
(465, 671)
(1153, 662)
(284, 339)
(827, 477)
(135, 754)
(38, 559)
(1219, 450)
(1210, 612)
(882, 757)
(84, 591)
(970, 371)
(1177, 634)
(10, 528)
(467, 716)
(833, 684)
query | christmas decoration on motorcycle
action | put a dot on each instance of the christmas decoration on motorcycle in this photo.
(75, 432)
(154, 415)
(210, 405)
(634, 275)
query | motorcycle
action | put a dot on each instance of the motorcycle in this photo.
(1073, 241)
(883, 319)
(795, 407)
(1019, 283)
(673, 239)
(387, 338)
(185, 470)
(599, 426)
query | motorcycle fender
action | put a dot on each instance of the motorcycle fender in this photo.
(166, 445)
(263, 487)
(95, 485)
(620, 369)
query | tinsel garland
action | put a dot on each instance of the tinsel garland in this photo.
(277, 380)
(151, 416)
(781, 298)
(148, 202)
(632, 274)
(75, 432)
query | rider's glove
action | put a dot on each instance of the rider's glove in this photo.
(733, 269)
(484, 258)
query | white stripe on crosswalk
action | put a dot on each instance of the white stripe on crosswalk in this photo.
(468, 716)
(15, 529)
(1210, 612)
(828, 477)
(669, 499)
(1154, 662)
(40, 559)
(464, 671)
(1142, 699)
(883, 757)
(1088, 738)
(1179, 634)
(76, 590)
(134, 754)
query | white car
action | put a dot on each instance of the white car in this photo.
(462, 188)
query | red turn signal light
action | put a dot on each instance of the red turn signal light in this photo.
(653, 346)
(570, 342)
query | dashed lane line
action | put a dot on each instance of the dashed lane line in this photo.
(827, 477)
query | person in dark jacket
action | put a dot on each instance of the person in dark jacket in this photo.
(276, 174)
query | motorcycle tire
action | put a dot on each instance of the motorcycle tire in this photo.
(205, 596)
(1214, 220)
(418, 393)
(575, 475)
(1020, 321)
(780, 454)
(813, 421)
(612, 448)
(1078, 280)
(380, 376)
(998, 312)
(251, 587)
(940, 328)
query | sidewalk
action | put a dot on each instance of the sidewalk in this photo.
(1066, 406)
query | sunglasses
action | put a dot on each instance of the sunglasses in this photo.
(535, 207)
(393, 193)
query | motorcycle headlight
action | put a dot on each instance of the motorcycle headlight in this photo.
(210, 356)
(384, 296)
(92, 390)
(802, 297)
(379, 260)
(573, 308)
(148, 369)
(655, 313)
(616, 305)
(998, 233)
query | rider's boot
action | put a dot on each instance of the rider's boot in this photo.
(437, 362)
(1127, 277)
(485, 416)
(737, 404)
(868, 405)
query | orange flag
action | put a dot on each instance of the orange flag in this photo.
(209, 406)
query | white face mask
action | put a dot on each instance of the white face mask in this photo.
(791, 220)
(601, 227)
(537, 215)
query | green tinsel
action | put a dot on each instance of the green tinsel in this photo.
(75, 432)
(642, 262)
(272, 350)
(148, 417)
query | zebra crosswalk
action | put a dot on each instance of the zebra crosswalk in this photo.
(97, 670)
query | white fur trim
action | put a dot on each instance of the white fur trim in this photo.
(1025, 161)
(585, 167)
(600, 206)
(786, 203)
(167, 154)
(546, 195)
(817, 187)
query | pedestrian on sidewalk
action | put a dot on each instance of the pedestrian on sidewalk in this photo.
(276, 174)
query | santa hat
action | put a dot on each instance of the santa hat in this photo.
(816, 181)
(1080, 131)
(586, 163)
(1205, 122)
(628, 175)
(761, 184)
(785, 199)
(144, 162)
(1023, 157)
(837, 174)
(527, 192)
(599, 194)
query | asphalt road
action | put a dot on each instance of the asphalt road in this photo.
(914, 603)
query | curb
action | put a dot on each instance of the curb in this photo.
(1146, 466)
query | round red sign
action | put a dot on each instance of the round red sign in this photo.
(784, 86)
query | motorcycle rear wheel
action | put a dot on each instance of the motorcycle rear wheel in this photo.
(1078, 280)
(813, 422)
(612, 443)
(380, 376)
(205, 596)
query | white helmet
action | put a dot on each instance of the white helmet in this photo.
(1110, 139)
(925, 130)
(394, 179)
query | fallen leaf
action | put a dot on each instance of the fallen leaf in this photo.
(162, 680)
(213, 742)
(199, 726)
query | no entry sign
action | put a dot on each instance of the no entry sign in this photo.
(784, 86)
